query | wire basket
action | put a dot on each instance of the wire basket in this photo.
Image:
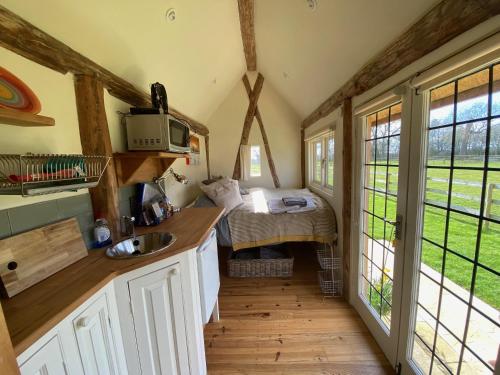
(32, 174)
(326, 258)
(329, 285)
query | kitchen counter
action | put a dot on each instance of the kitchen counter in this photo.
(33, 312)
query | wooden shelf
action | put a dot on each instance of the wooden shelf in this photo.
(18, 118)
(142, 166)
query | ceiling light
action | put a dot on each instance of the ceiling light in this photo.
(312, 4)
(171, 15)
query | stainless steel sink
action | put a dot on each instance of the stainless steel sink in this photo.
(139, 246)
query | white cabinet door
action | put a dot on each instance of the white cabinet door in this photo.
(95, 339)
(158, 314)
(46, 361)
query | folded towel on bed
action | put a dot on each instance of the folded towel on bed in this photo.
(277, 206)
(294, 201)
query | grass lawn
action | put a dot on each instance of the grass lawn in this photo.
(462, 231)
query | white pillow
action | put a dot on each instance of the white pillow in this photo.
(225, 193)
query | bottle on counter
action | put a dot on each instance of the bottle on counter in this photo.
(102, 233)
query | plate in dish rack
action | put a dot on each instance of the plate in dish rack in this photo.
(15, 94)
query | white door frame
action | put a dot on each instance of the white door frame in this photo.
(414, 222)
(387, 339)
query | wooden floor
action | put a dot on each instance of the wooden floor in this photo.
(284, 326)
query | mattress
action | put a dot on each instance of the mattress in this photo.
(252, 225)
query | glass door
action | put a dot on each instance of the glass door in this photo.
(452, 323)
(382, 150)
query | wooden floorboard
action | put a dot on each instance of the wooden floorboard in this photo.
(285, 326)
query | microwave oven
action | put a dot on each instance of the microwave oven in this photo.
(157, 132)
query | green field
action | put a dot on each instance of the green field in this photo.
(462, 233)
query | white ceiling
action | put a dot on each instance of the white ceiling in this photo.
(199, 57)
(306, 55)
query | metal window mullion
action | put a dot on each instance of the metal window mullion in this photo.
(450, 185)
(480, 222)
(373, 206)
(385, 213)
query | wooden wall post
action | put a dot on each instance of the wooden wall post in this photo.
(302, 158)
(207, 153)
(95, 140)
(347, 191)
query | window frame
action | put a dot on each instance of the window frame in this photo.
(321, 184)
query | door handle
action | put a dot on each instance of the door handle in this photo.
(398, 227)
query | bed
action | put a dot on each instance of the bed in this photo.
(252, 225)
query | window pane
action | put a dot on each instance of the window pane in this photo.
(318, 154)
(442, 105)
(472, 100)
(495, 104)
(395, 126)
(466, 190)
(495, 141)
(255, 161)
(383, 123)
(437, 186)
(329, 160)
(439, 147)
(470, 144)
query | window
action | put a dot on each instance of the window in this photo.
(321, 161)
(255, 161)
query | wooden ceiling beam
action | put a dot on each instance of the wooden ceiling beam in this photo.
(26, 40)
(445, 21)
(246, 11)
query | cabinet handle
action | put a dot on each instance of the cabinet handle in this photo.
(83, 322)
(174, 272)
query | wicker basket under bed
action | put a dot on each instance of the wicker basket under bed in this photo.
(282, 267)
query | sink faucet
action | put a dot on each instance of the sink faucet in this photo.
(127, 226)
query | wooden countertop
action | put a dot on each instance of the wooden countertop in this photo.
(33, 312)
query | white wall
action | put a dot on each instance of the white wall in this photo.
(282, 126)
(57, 96)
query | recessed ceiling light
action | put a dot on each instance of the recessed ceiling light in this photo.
(312, 4)
(171, 15)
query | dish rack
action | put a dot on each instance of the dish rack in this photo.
(37, 174)
(330, 276)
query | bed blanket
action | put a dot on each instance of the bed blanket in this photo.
(251, 224)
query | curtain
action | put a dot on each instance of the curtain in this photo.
(245, 162)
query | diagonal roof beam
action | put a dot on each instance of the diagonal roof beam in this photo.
(245, 8)
(445, 21)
